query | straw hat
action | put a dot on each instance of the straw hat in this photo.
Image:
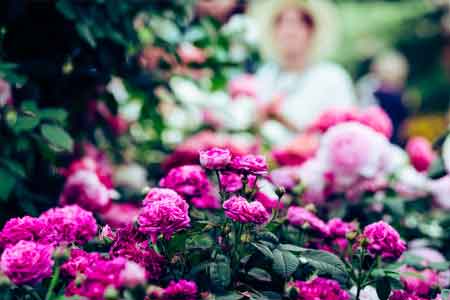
(324, 13)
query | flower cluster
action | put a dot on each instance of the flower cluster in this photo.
(319, 289)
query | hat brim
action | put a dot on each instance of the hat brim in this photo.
(326, 32)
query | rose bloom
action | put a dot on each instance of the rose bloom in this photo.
(302, 148)
(79, 261)
(188, 181)
(70, 224)
(133, 245)
(404, 295)
(243, 85)
(165, 216)
(249, 164)
(383, 240)
(313, 176)
(207, 201)
(231, 182)
(419, 283)
(182, 289)
(215, 158)
(240, 210)
(133, 275)
(85, 189)
(286, 177)
(27, 262)
(420, 153)
(320, 289)
(94, 161)
(333, 117)
(338, 228)
(350, 151)
(17, 229)
(298, 216)
(188, 54)
(377, 119)
(120, 214)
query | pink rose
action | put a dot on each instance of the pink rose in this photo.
(250, 164)
(188, 54)
(319, 289)
(313, 177)
(94, 161)
(339, 228)
(383, 240)
(164, 216)
(85, 189)
(243, 85)
(403, 295)
(268, 202)
(5, 93)
(182, 289)
(231, 182)
(215, 158)
(420, 153)
(207, 201)
(27, 262)
(440, 189)
(26, 228)
(79, 261)
(188, 181)
(377, 119)
(70, 224)
(120, 214)
(302, 148)
(286, 177)
(419, 282)
(333, 117)
(298, 216)
(240, 210)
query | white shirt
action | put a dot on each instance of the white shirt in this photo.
(306, 95)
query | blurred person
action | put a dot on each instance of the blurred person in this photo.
(297, 84)
(385, 86)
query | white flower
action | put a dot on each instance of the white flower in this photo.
(187, 91)
(117, 88)
(440, 189)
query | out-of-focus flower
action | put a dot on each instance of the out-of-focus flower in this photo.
(377, 119)
(440, 189)
(243, 85)
(404, 295)
(383, 240)
(420, 153)
(313, 177)
(286, 177)
(188, 181)
(120, 214)
(299, 216)
(27, 262)
(333, 117)
(5, 93)
(85, 189)
(410, 183)
(302, 148)
(207, 201)
(182, 289)
(189, 54)
(240, 210)
(231, 182)
(151, 58)
(417, 282)
(131, 175)
(165, 216)
(446, 153)
(132, 275)
(215, 158)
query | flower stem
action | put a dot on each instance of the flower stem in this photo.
(53, 282)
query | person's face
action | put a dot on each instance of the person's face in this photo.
(292, 33)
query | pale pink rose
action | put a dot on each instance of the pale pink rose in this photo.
(243, 85)
(133, 275)
(120, 214)
(377, 119)
(286, 177)
(351, 151)
(440, 189)
(215, 158)
(188, 54)
(312, 175)
(333, 117)
(420, 153)
(85, 189)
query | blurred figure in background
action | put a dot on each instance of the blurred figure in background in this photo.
(385, 86)
(296, 84)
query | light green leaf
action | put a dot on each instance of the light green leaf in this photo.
(14, 167)
(25, 123)
(57, 137)
(85, 32)
(53, 114)
(260, 274)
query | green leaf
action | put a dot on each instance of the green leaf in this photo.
(269, 237)
(14, 167)
(264, 250)
(290, 247)
(220, 274)
(30, 106)
(67, 9)
(57, 137)
(326, 263)
(383, 287)
(25, 123)
(284, 263)
(85, 32)
(203, 242)
(53, 114)
(260, 274)
(7, 183)
(230, 296)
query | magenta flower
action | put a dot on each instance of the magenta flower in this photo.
(207, 201)
(403, 295)
(85, 189)
(249, 164)
(27, 262)
(160, 194)
(383, 240)
(188, 181)
(79, 261)
(165, 216)
(298, 216)
(181, 290)
(240, 210)
(133, 245)
(18, 229)
(420, 153)
(70, 224)
(215, 158)
(377, 119)
(417, 282)
(320, 289)
(231, 182)
(132, 275)
(120, 214)
(339, 228)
